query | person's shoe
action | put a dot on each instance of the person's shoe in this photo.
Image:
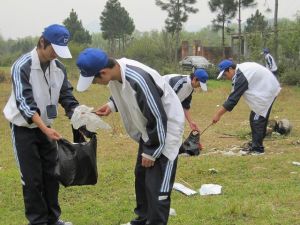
(60, 222)
(256, 153)
(137, 221)
(247, 147)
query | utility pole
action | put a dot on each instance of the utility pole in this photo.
(276, 30)
(240, 31)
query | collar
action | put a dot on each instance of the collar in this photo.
(36, 64)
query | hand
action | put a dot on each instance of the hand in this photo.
(216, 118)
(52, 134)
(194, 126)
(103, 110)
(147, 162)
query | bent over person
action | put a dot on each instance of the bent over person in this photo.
(259, 88)
(39, 84)
(184, 86)
(152, 116)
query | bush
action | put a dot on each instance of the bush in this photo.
(2, 76)
(290, 77)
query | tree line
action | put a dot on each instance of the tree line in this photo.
(159, 49)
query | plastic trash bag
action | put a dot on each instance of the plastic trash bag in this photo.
(76, 163)
(191, 145)
(83, 116)
(210, 189)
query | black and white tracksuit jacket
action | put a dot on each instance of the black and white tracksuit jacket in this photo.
(258, 86)
(30, 92)
(270, 63)
(149, 109)
(182, 86)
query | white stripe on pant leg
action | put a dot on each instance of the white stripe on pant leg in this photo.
(256, 117)
(167, 177)
(13, 139)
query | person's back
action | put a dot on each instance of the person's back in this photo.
(262, 86)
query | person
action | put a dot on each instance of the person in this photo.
(184, 86)
(39, 84)
(270, 62)
(259, 88)
(152, 116)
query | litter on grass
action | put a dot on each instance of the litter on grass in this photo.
(183, 189)
(296, 163)
(172, 212)
(210, 189)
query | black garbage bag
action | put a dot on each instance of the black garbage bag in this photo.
(77, 163)
(191, 145)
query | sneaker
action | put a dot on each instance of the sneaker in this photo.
(256, 153)
(136, 221)
(60, 222)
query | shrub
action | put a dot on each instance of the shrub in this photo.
(2, 76)
(290, 77)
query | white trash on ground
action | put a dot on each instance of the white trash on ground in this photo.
(210, 189)
(296, 163)
(172, 212)
(183, 189)
(83, 116)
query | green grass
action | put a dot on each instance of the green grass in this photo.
(256, 189)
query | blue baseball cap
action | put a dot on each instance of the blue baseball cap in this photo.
(59, 37)
(266, 51)
(90, 61)
(202, 76)
(223, 65)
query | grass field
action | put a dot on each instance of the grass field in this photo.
(256, 189)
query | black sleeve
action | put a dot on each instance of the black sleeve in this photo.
(23, 90)
(148, 96)
(240, 85)
(186, 103)
(66, 97)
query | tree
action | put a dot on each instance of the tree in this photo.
(116, 24)
(242, 4)
(78, 33)
(178, 11)
(226, 10)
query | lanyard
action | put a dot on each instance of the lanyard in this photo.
(49, 86)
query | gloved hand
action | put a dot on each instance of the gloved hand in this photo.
(85, 132)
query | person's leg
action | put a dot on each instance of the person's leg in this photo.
(48, 153)
(159, 183)
(28, 158)
(257, 124)
(140, 193)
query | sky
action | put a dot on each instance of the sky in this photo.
(21, 18)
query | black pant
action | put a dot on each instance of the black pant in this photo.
(258, 129)
(36, 156)
(153, 188)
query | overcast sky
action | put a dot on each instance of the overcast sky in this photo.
(20, 18)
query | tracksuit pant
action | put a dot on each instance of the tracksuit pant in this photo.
(36, 156)
(153, 188)
(258, 126)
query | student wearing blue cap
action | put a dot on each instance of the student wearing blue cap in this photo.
(184, 86)
(259, 87)
(270, 62)
(152, 115)
(39, 84)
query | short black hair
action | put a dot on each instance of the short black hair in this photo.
(233, 66)
(46, 42)
(111, 63)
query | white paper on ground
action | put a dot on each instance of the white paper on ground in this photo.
(296, 163)
(185, 190)
(172, 212)
(210, 189)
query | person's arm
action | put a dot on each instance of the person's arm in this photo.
(50, 132)
(188, 117)
(148, 96)
(239, 87)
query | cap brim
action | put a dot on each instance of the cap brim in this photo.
(84, 83)
(203, 86)
(220, 74)
(62, 51)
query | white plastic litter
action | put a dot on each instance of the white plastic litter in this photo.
(296, 163)
(172, 212)
(210, 189)
(183, 189)
(83, 116)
